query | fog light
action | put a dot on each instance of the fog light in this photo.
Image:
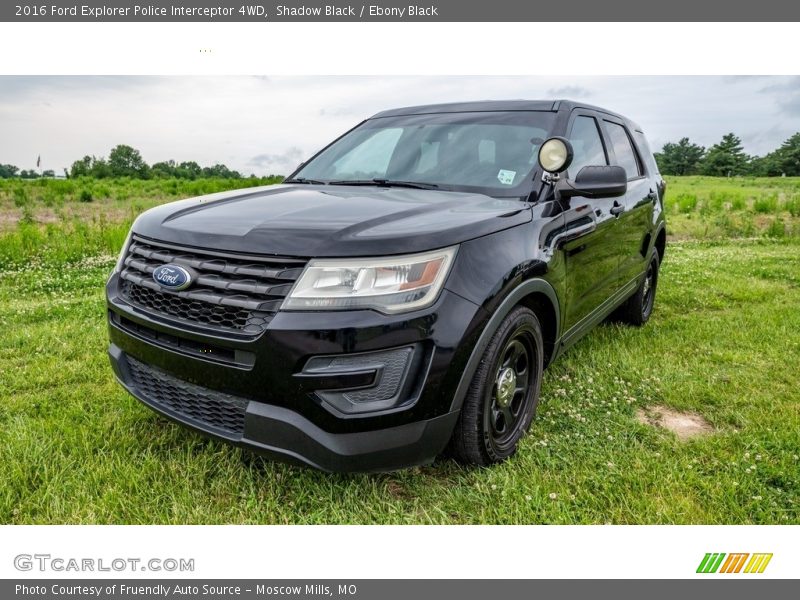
(363, 382)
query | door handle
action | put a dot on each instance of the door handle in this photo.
(617, 209)
(652, 196)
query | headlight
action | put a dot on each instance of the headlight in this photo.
(389, 285)
(123, 253)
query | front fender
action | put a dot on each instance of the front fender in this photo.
(530, 286)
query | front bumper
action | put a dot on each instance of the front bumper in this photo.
(286, 435)
(252, 392)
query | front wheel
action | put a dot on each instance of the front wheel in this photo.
(502, 399)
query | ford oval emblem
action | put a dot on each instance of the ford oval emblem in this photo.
(173, 277)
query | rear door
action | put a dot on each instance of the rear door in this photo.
(592, 260)
(635, 222)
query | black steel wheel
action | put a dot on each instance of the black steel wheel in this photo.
(502, 400)
(649, 289)
(637, 309)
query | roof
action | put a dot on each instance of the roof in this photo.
(480, 106)
(495, 105)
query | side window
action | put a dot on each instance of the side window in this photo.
(646, 152)
(623, 150)
(587, 145)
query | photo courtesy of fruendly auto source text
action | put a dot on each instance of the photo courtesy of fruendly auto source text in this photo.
(506, 293)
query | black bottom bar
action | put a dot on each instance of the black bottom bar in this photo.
(701, 588)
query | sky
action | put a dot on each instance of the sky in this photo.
(268, 125)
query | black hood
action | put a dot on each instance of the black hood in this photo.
(328, 221)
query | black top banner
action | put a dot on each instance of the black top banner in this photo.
(401, 10)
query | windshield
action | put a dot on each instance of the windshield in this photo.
(495, 152)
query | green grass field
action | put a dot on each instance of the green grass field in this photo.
(724, 342)
(716, 208)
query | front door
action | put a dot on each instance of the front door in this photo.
(591, 260)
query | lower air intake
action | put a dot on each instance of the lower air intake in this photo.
(207, 409)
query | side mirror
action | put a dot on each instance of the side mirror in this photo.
(595, 182)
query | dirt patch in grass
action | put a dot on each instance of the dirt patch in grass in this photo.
(685, 425)
(47, 216)
(9, 219)
(397, 490)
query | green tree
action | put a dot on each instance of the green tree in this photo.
(100, 168)
(764, 166)
(726, 158)
(164, 169)
(82, 167)
(189, 170)
(125, 161)
(221, 171)
(682, 158)
(8, 171)
(28, 174)
(786, 159)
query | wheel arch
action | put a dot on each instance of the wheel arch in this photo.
(661, 243)
(547, 312)
(535, 294)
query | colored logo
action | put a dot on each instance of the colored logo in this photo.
(173, 277)
(741, 562)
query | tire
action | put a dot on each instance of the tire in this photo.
(637, 309)
(493, 418)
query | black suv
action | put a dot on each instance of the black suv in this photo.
(401, 292)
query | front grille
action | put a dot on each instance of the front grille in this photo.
(196, 311)
(233, 293)
(205, 408)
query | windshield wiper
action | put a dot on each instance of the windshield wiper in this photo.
(304, 180)
(386, 183)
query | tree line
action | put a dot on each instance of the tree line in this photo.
(728, 159)
(724, 159)
(126, 161)
(10, 171)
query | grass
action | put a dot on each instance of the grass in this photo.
(63, 221)
(724, 342)
(714, 208)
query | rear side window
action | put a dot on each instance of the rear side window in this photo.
(587, 145)
(645, 152)
(623, 150)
